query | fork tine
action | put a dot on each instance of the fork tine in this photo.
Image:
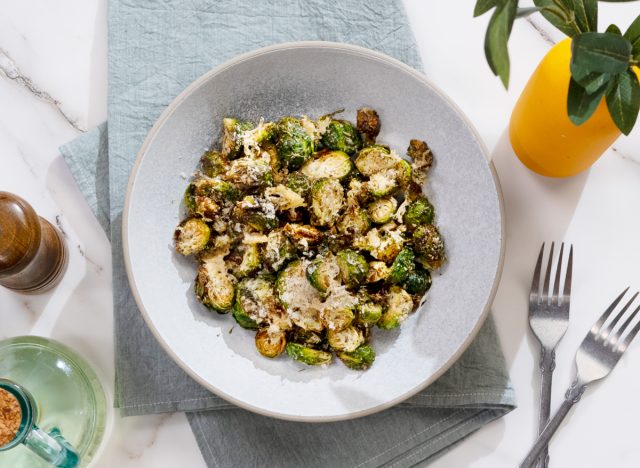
(535, 283)
(632, 334)
(605, 331)
(567, 279)
(603, 318)
(556, 285)
(547, 276)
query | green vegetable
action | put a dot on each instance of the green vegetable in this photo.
(402, 266)
(214, 163)
(327, 198)
(418, 282)
(243, 319)
(355, 222)
(368, 313)
(309, 356)
(329, 164)
(399, 306)
(256, 213)
(214, 287)
(429, 246)
(192, 236)
(320, 273)
(418, 212)
(382, 210)
(232, 130)
(382, 184)
(353, 267)
(205, 196)
(250, 261)
(378, 271)
(368, 124)
(341, 135)
(278, 250)
(299, 183)
(270, 343)
(382, 244)
(302, 235)
(256, 300)
(360, 359)
(347, 340)
(374, 159)
(295, 146)
(250, 173)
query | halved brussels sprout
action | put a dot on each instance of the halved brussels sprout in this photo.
(250, 261)
(382, 183)
(328, 165)
(399, 306)
(337, 318)
(295, 293)
(429, 246)
(284, 198)
(347, 340)
(321, 272)
(404, 173)
(360, 359)
(418, 282)
(256, 299)
(299, 183)
(368, 124)
(378, 271)
(353, 267)
(382, 210)
(354, 222)
(214, 163)
(254, 139)
(302, 235)
(402, 266)
(205, 196)
(278, 250)
(341, 135)
(243, 319)
(374, 159)
(257, 213)
(270, 343)
(215, 288)
(250, 173)
(192, 236)
(309, 356)
(382, 244)
(327, 198)
(418, 212)
(305, 337)
(295, 146)
(232, 130)
(368, 313)
(422, 158)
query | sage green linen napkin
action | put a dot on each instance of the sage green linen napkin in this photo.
(156, 48)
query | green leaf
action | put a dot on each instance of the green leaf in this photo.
(559, 14)
(593, 81)
(599, 52)
(633, 35)
(482, 6)
(523, 12)
(586, 14)
(613, 29)
(580, 104)
(495, 43)
(623, 100)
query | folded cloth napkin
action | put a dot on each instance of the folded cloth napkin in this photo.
(156, 48)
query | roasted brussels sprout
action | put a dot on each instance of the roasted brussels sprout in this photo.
(243, 319)
(192, 236)
(418, 282)
(296, 293)
(255, 139)
(214, 163)
(378, 271)
(429, 246)
(422, 158)
(215, 288)
(418, 212)
(295, 146)
(328, 165)
(402, 266)
(327, 198)
(374, 159)
(345, 340)
(337, 318)
(299, 183)
(302, 235)
(360, 359)
(399, 306)
(305, 337)
(257, 213)
(250, 263)
(354, 222)
(404, 173)
(270, 343)
(232, 130)
(368, 313)
(206, 196)
(382, 183)
(284, 198)
(353, 267)
(249, 173)
(256, 299)
(341, 135)
(309, 356)
(278, 250)
(382, 210)
(382, 244)
(368, 124)
(322, 272)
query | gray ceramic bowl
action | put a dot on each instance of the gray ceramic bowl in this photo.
(314, 78)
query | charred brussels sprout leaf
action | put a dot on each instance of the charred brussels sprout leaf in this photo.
(382, 210)
(295, 146)
(353, 267)
(232, 130)
(327, 198)
(330, 164)
(309, 356)
(192, 236)
(399, 306)
(418, 282)
(368, 124)
(270, 343)
(214, 163)
(402, 266)
(360, 359)
(341, 135)
(429, 246)
(422, 158)
(369, 313)
(345, 340)
(418, 212)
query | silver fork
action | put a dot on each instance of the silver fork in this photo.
(549, 320)
(598, 354)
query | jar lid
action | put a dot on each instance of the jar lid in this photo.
(19, 234)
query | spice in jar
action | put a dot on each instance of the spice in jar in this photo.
(10, 417)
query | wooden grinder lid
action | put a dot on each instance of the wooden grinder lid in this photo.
(19, 234)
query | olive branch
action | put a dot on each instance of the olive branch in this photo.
(601, 63)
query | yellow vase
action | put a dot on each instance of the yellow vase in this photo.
(542, 135)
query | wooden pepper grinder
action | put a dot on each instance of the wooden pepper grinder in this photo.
(33, 255)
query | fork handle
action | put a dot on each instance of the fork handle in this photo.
(573, 395)
(547, 365)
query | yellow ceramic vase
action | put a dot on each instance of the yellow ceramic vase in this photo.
(542, 135)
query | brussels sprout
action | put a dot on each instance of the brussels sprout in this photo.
(418, 282)
(295, 146)
(382, 244)
(232, 130)
(402, 266)
(399, 306)
(353, 267)
(250, 261)
(278, 250)
(374, 159)
(429, 246)
(206, 196)
(360, 359)
(305, 337)
(252, 140)
(341, 135)
(355, 222)
(309, 356)
(422, 158)
(404, 173)
(270, 343)
(214, 163)
(256, 213)
(243, 319)
(256, 299)
(345, 340)
(299, 183)
(215, 288)
(382, 210)
(284, 198)
(302, 235)
(368, 123)
(337, 318)
(192, 236)
(250, 173)
(329, 164)
(327, 198)
(382, 184)
(368, 312)
(418, 212)
(378, 271)
(321, 272)
(294, 291)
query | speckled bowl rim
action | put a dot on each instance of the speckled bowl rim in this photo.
(349, 48)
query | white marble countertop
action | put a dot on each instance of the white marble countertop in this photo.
(53, 55)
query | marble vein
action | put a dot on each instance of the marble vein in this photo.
(11, 70)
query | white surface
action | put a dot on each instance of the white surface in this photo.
(63, 50)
